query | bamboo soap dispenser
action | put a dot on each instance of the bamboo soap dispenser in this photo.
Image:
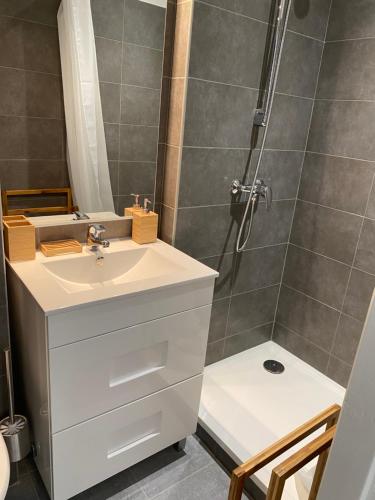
(129, 211)
(145, 225)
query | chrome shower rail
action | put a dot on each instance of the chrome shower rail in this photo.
(262, 114)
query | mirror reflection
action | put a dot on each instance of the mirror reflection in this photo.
(82, 107)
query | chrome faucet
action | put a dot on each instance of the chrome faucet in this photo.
(259, 189)
(94, 236)
(80, 215)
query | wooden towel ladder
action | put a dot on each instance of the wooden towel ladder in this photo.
(318, 447)
(27, 193)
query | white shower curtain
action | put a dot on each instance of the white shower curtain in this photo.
(86, 147)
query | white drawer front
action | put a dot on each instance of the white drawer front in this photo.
(95, 319)
(88, 453)
(96, 375)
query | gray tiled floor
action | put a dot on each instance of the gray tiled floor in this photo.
(192, 474)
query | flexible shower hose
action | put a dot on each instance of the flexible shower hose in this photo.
(272, 88)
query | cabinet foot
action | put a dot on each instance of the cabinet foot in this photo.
(180, 445)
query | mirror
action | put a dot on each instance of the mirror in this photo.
(80, 103)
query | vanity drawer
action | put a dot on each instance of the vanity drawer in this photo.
(96, 375)
(121, 312)
(88, 453)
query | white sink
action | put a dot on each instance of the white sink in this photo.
(68, 281)
(86, 272)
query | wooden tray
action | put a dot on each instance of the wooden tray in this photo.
(60, 247)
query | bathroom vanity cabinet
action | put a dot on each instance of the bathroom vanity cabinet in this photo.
(109, 383)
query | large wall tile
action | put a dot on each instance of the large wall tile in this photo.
(136, 177)
(337, 129)
(321, 175)
(215, 352)
(365, 256)
(347, 339)
(39, 11)
(272, 226)
(218, 115)
(112, 137)
(140, 106)
(31, 138)
(205, 231)
(258, 268)
(301, 347)
(307, 317)
(323, 230)
(226, 47)
(113, 174)
(26, 93)
(281, 170)
(108, 18)
(142, 66)
(11, 43)
(109, 56)
(349, 19)
(257, 9)
(206, 175)
(336, 82)
(110, 98)
(309, 17)
(247, 340)
(225, 265)
(35, 36)
(316, 276)
(358, 297)
(21, 44)
(301, 82)
(138, 143)
(29, 174)
(144, 24)
(295, 112)
(252, 309)
(339, 371)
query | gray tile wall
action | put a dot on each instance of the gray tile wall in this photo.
(32, 126)
(330, 269)
(129, 42)
(227, 47)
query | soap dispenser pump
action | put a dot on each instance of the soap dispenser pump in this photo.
(129, 211)
(145, 224)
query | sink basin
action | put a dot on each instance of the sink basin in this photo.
(68, 281)
(86, 272)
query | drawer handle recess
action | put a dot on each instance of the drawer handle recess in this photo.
(137, 364)
(132, 445)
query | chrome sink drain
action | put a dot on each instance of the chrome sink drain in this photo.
(273, 366)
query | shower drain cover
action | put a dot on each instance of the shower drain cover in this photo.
(273, 366)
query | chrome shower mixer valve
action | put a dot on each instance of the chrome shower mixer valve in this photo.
(258, 189)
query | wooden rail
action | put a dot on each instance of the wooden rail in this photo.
(9, 193)
(318, 447)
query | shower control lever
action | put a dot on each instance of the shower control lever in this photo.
(259, 188)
